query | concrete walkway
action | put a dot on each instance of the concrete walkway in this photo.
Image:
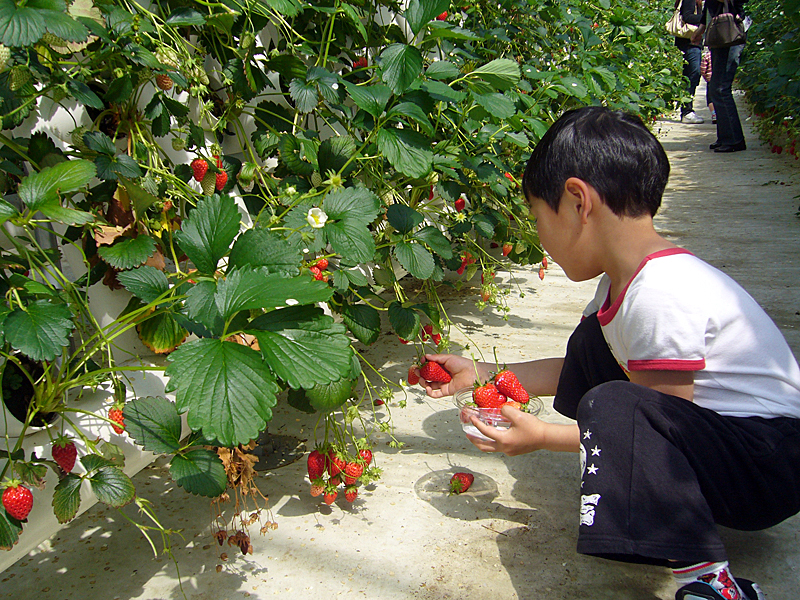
(513, 535)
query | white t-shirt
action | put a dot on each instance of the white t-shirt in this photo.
(679, 313)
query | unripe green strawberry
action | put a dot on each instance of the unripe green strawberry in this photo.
(76, 138)
(52, 39)
(17, 500)
(17, 77)
(209, 184)
(5, 55)
(167, 56)
(178, 144)
(316, 179)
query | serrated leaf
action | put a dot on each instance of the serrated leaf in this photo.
(20, 25)
(351, 240)
(502, 73)
(128, 252)
(112, 486)
(401, 65)
(40, 331)
(97, 141)
(111, 167)
(185, 16)
(202, 307)
(334, 153)
(141, 198)
(226, 389)
(363, 321)
(415, 259)
(304, 94)
(263, 248)
(413, 113)
(154, 424)
(161, 332)
(484, 226)
(248, 289)
(93, 462)
(442, 69)
(496, 105)
(436, 240)
(442, 92)
(84, 94)
(200, 472)
(302, 346)
(404, 321)
(330, 396)
(372, 99)
(119, 90)
(208, 231)
(67, 498)
(9, 531)
(406, 150)
(420, 12)
(45, 186)
(7, 211)
(403, 218)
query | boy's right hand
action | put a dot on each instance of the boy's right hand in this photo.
(460, 368)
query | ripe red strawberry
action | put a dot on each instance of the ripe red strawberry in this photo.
(460, 203)
(507, 248)
(486, 294)
(317, 488)
(17, 500)
(488, 396)
(335, 481)
(336, 464)
(315, 464)
(431, 371)
(541, 273)
(322, 264)
(430, 195)
(316, 273)
(360, 63)
(351, 493)
(544, 262)
(413, 378)
(221, 180)
(199, 168)
(442, 17)
(352, 471)
(366, 455)
(164, 82)
(428, 329)
(436, 337)
(64, 453)
(378, 402)
(115, 414)
(461, 482)
(508, 385)
(330, 495)
(514, 404)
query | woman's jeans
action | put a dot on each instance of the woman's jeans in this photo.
(724, 62)
(691, 70)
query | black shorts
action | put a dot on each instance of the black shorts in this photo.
(659, 472)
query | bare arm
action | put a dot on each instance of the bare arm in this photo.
(526, 434)
(675, 383)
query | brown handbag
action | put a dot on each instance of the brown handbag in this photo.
(725, 30)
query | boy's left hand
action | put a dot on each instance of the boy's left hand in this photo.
(525, 434)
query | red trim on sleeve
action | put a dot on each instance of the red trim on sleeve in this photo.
(667, 364)
(607, 313)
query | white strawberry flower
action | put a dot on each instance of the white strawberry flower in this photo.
(316, 218)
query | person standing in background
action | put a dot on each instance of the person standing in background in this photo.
(692, 13)
(705, 72)
(724, 62)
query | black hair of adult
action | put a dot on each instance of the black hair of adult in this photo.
(611, 150)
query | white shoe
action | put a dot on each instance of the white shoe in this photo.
(691, 118)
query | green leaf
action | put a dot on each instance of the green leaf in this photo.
(119, 91)
(302, 346)
(330, 396)
(9, 531)
(202, 307)
(442, 92)
(62, 25)
(406, 150)
(141, 198)
(352, 204)
(248, 289)
(112, 486)
(484, 225)
(226, 388)
(154, 424)
(208, 231)
(403, 218)
(185, 16)
(45, 186)
(351, 240)
(199, 471)
(404, 321)
(20, 25)
(67, 498)
(401, 65)
(93, 462)
(287, 8)
(436, 240)
(442, 69)
(363, 321)
(420, 12)
(146, 283)
(304, 94)
(7, 211)
(111, 167)
(372, 99)
(83, 94)
(161, 332)
(334, 153)
(496, 105)
(502, 73)
(97, 141)
(414, 113)
(415, 259)
(127, 252)
(263, 248)
(41, 330)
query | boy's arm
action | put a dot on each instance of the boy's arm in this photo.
(675, 383)
(527, 433)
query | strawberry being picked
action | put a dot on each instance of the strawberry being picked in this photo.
(461, 482)
(488, 396)
(508, 385)
(432, 371)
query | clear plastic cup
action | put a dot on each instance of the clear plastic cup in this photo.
(490, 416)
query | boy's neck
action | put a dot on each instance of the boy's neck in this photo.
(627, 242)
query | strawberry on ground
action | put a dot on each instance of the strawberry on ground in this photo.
(17, 500)
(508, 385)
(488, 396)
(64, 453)
(413, 378)
(351, 493)
(431, 371)
(461, 482)
(316, 464)
(115, 414)
(199, 168)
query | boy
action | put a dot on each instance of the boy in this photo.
(686, 395)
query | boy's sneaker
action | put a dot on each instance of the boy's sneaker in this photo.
(697, 590)
(692, 118)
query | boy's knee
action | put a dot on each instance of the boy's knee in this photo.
(609, 396)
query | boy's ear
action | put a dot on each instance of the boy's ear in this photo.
(580, 195)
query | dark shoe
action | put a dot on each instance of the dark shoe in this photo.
(697, 590)
(734, 148)
(714, 146)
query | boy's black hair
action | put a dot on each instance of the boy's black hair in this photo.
(611, 150)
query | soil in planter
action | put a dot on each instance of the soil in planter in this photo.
(18, 392)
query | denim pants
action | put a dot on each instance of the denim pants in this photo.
(724, 62)
(691, 70)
